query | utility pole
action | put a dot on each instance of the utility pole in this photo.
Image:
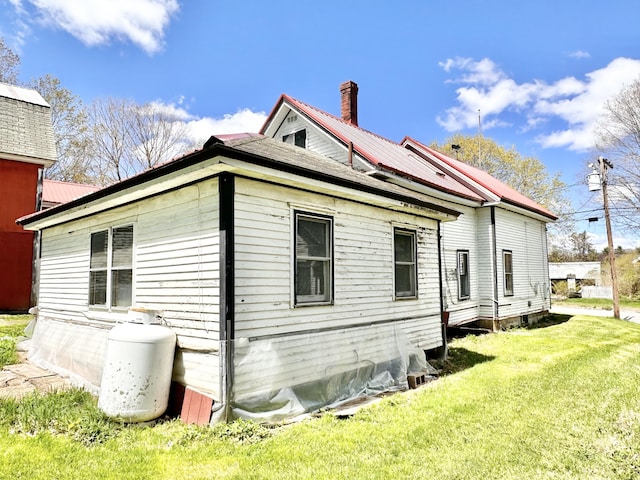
(604, 166)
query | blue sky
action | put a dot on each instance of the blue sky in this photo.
(538, 71)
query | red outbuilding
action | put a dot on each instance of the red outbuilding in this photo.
(27, 146)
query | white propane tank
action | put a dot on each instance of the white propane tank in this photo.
(136, 377)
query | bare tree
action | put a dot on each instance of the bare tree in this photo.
(129, 138)
(69, 120)
(9, 64)
(618, 134)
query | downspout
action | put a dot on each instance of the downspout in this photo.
(226, 188)
(496, 311)
(444, 316)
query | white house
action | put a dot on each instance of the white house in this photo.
(291, 281)
(493, 258)
(293, 277)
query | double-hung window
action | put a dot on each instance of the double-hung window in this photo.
(313, 259)
(507, 265)
(464, 284)
(405, 265)
(110, 267)
(299, 138)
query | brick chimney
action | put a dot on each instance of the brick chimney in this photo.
(349, 102)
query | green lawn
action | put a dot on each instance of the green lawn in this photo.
(601, 303)
(11, 327)
(557, 402)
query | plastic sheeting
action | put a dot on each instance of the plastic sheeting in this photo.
(72, 350)
(280, 378)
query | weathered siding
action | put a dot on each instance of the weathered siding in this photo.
(526, 239)
(363, 272)
(486, 265)
(317, 141)
(176, 272)
(457, 236)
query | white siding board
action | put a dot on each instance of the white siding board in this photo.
(176, 269)
(526, 239)
(363, 263)
(316, 140)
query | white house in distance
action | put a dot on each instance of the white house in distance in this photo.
(294, 278)
(493, 264)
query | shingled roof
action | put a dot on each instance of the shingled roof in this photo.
(25, 120)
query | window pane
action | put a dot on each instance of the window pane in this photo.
(405, 281)
(122, 246)
(300, 138)
(508, 272)
(405, 263)
(311, 278)
(98, 287)
(312, 238)
(121, 281)
(404, 247)
(99, 249)
(313, 262)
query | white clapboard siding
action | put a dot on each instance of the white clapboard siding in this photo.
(317, 141)
(199, 370)
(526, 239)
(458, 236)
(363, 263)
(486, 266)
(176, 272)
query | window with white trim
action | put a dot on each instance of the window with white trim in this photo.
(405, 265)
(299, 138)
(110, 267)
(313, 259)
(507, 266)
(464, 283)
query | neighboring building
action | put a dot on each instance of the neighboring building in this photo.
(26, 147)
(55, 192)
(494, 257)
(575, 274)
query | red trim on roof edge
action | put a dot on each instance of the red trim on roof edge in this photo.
(498, 188)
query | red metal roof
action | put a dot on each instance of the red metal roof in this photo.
(378, 151)
(482, 178)
(56, 192)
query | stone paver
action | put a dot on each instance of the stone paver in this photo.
(18, 380)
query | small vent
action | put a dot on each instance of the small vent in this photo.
(292, 118)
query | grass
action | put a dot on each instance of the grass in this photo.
(11, 327)
(557, 402)
(601, 303)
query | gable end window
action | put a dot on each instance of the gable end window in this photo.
(313, 259)
(464, 284)
(299, 138)
(110, 267)
(405, 265)
(507, 265)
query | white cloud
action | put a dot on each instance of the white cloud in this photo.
(97, 22)
(245, 120)
(579, 54)
(575, 103)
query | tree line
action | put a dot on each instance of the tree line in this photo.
(108, 140)
(112, 138)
